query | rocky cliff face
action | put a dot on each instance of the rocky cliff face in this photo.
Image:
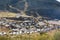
(48, 8)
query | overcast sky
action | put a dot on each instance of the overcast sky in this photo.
(58, 0)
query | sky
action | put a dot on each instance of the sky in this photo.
(58, 0)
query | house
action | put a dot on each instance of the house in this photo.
(15, 29)
(3, 33)
(14, 33)
(38, 30)
(41, 23)
(54, 22)
(23, 30)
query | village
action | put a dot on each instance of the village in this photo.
(29, 25)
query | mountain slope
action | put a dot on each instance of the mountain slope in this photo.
(47, 8)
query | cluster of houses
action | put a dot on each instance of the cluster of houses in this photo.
(28, 26)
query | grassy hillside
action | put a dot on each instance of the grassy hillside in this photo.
(7, 14)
